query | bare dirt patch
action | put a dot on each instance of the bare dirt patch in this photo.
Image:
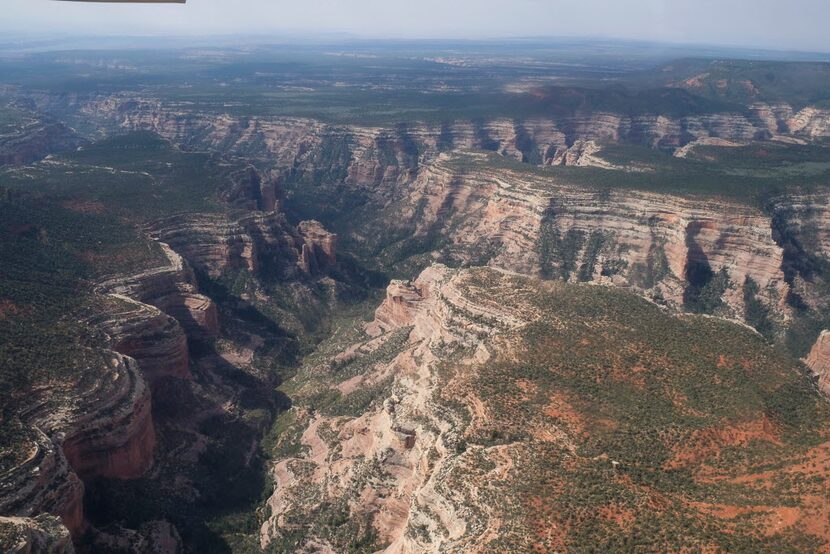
(85, 206)
(708, 443)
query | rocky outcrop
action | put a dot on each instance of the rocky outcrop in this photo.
(468, 414)
(100, 426)
(318, 252)
(148, 335)
(44, 482)
(441, 315)
(262, 243)
(818, 360)
(667, 246)
(811, 123)
(249, 189)
(111, 433)
(172, 289)
(43, 534)
(383, 154)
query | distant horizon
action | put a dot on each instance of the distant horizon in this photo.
(84, 41)
(742, 24)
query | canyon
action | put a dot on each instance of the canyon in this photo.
(538, 141)
(446, 333)
(423, 183)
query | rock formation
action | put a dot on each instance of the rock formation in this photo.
(262, 243)
(818, 360)
(438, 317)
(148, 335)
(538, 140)
(172, 289)
(463, 419)
(661, 244)
(100, 426)
(43, 534)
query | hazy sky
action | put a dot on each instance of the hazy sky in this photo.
(778, 24)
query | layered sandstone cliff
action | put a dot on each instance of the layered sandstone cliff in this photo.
(389, 461)
(43, 534)
(44, 482)
(472, 415)
(101, 425)
(679, 251)
(663, 245)
(262, 243)
(172, 289)
(536, 140)
(148, 335)
(98, 426)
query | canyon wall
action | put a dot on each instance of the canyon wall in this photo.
(99, 426)
(388, 462)
(668, 247)
(818, 360)
(536, 140)
(262, 243)
(172, 289)
(148, 335)
(702, 255)
(709, 256)
(43, 534)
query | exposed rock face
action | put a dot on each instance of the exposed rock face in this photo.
(251, 190)
(477, 439)
(802, 222)
(674, 249)
(810, 123)
(819, 361)
(99, 427)
(319, 249)
(539, 141)
(113, 435)
(172, 289)
(663, 245)
(43, 534)
(153, 338)
(44, 482)
(262, 243)
(399, 435)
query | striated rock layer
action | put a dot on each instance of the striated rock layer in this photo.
(98, 427)
(43, 534)
(708, 256)
(101, 426)
(148, 335)
(536, 140)
(262, 243)
(657, 243)
(483, 411)
(400, 437)
(172, 289)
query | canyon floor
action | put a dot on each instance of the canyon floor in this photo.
(287, 300)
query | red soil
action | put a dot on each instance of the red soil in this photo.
(85, 207)
(707, 443)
